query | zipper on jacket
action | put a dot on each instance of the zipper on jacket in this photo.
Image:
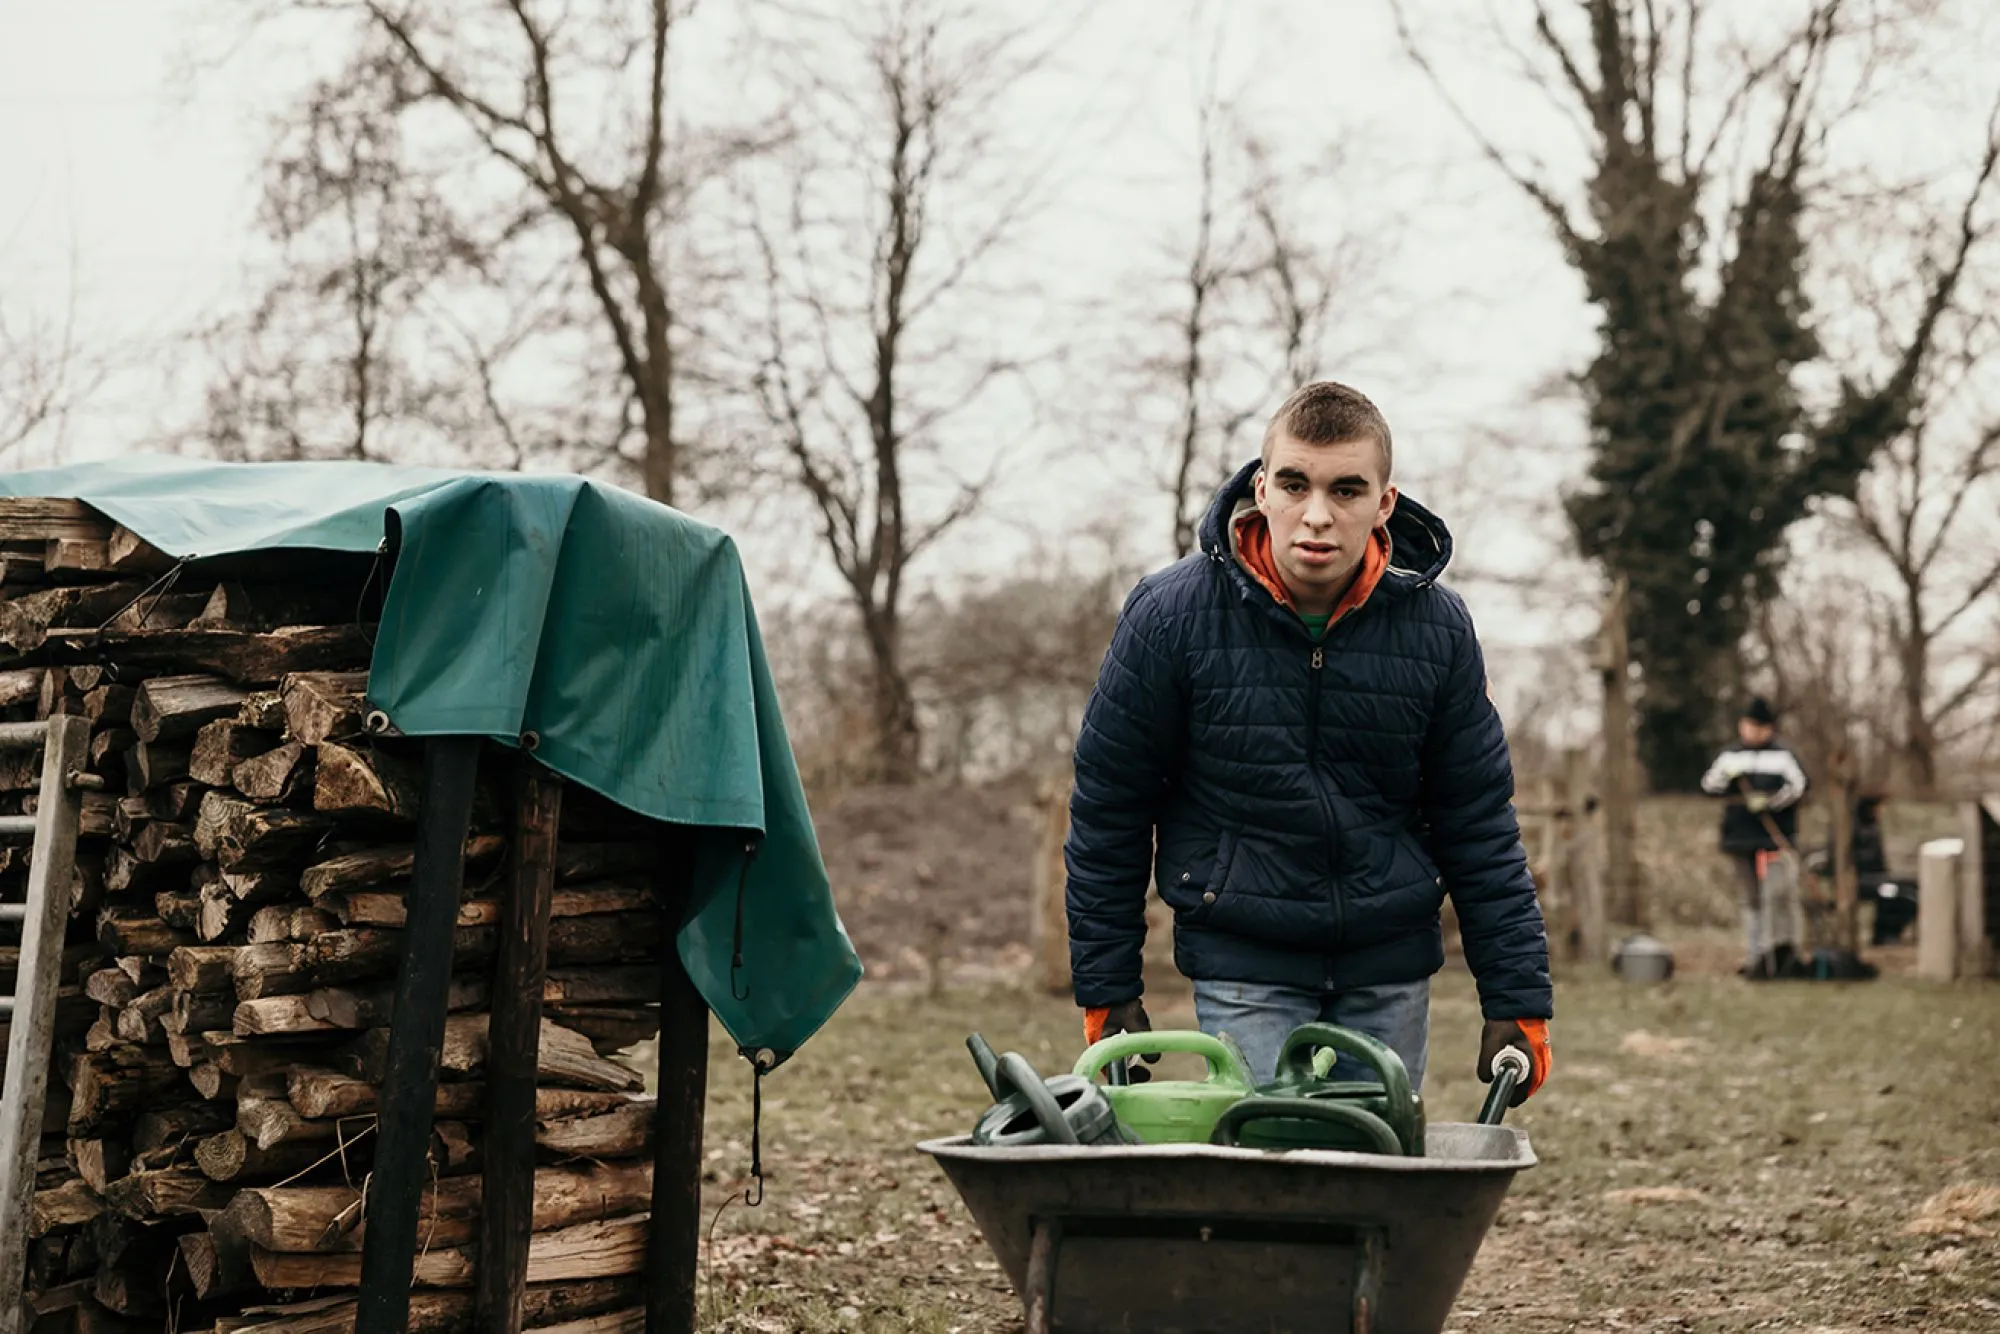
(1312, 704)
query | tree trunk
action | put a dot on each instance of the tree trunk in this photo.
(898, 735)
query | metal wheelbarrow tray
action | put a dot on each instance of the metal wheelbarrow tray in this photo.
(1200, 1239)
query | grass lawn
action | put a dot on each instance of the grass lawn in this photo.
(1714, 1156)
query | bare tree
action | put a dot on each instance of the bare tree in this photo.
(1705, 449)
(1259, 276)
(869, 360)
(44, 375)
(552, 174)
(1928, 511)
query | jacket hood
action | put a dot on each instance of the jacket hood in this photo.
(1419, 543)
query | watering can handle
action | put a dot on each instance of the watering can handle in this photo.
(1303, 1045)
(1344, 1114)
(1014, 1073)
(1510, 1067)
(1222, 1061)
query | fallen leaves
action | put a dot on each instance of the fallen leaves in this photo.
(1956, 1211)
(1653, 1195)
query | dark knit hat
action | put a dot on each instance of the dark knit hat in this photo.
(1759, 710)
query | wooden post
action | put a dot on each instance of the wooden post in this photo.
(1048, 912)
(1586, 874)
(672, 1244)
(1937, 909)
(1552, 851)
(416, 1037)
(1981, 832)
(1846, 882)
(1619, 798)
(507, 1203)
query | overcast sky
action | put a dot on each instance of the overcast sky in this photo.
(127, 194)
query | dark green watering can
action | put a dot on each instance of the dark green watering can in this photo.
(1301, 1108)
(1031, 1110)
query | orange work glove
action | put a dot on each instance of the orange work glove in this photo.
(1101, 1021)
(1531, 1037)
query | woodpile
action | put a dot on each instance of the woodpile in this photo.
(235, 937)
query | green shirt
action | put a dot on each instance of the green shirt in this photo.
(1316, 625)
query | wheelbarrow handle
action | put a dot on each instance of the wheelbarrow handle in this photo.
(1510, 1067)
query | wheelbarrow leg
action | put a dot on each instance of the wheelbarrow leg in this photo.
(1042, 1251)
(1367, 1279)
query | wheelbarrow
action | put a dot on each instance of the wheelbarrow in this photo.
(1216, 1239)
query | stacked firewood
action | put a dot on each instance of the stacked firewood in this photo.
(236, 933)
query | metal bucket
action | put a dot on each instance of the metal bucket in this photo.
(1200, 1239)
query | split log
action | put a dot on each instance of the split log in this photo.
(446, 1311)
(152, 764)
(260, 838)
(70, 1205)
(221, 912)
(273, 606)
(601, 985)
(178, 909)
(327, 1009)
(319, 1092)
(625, 1132)
(380, 866)
(97, 817)
(110, 987)
(172, 707)
(264, 710)
(367, 1008)
(163, 1194)
(25, 621)
(270, 1122)
(240, 657)
(357, 953)
(388, 907)
(280, 922)
(213, 1083)
(110, 706)
(181, 1124)
(165, 843)
(76, 555)
(271, 970)
(596, 861)
(610, 1028)
(128, 553)
(321, 706)
(208, 1267)
(255, 887)
(187, 1049)
(599, 1249)
(202, 967)
(279, 775)
(234, 1156)
(200, 1012)
(139, 1021)
(100, 1161)
(266, 1059)
(108, 747)
(354, 781)
(223, 745)
(305, 1219)
(563, 1056)
(178, 802)
(132, 931)
(18, 688)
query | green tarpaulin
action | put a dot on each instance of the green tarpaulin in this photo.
(617, 630)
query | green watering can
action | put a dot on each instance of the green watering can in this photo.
(1031, 1110)
(1170, 1111)
(1301, 1108)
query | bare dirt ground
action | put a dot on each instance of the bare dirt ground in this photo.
(1715, 1155)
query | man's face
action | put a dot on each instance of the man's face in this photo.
(1322, 502)
(1755, 733)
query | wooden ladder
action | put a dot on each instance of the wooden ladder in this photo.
(31, 1010)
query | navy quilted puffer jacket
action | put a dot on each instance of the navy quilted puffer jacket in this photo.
(1303, 807)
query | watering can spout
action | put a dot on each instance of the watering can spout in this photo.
(988, 1063)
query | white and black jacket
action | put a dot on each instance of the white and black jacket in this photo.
(1772, 770)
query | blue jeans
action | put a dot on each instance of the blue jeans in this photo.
(1260, 1017)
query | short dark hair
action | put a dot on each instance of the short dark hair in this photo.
(1328, 413)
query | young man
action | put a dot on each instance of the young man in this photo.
(1764, 783)
(1291, 732)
